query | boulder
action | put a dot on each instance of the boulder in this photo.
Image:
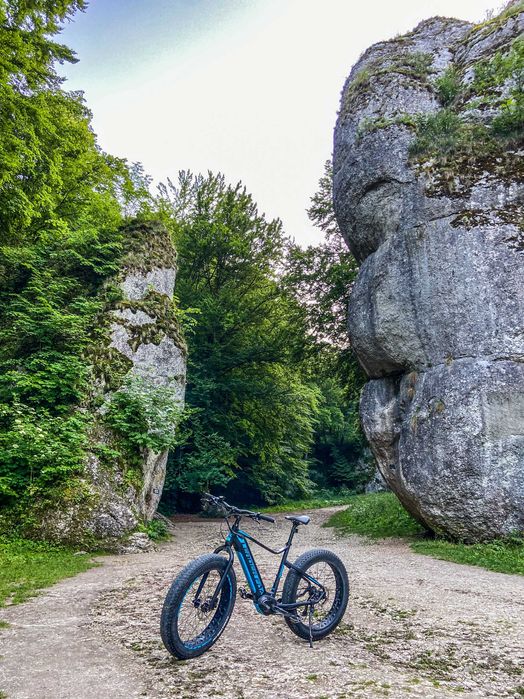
(436, 315)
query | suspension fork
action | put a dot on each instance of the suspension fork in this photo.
(214, 599)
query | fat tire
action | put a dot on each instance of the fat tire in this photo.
(175, 596)
(303, 562)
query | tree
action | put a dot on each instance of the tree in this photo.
(253, 414)
(61, 206)
(321, 278)
(28, 52)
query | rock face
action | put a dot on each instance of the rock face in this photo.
(429, 193)
(137, 349)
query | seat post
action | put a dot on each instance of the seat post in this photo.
(294, 528)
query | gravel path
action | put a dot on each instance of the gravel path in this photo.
(415, 627)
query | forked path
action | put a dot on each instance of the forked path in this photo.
(415, 627)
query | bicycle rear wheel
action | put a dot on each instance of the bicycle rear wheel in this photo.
(326, 568)
(189, 625)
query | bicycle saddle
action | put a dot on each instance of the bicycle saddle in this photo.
(298, 519)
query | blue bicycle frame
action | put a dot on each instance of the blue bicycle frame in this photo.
(237, 541)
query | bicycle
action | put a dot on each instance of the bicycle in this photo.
(201, 599)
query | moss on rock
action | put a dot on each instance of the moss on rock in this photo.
(480, 128)
(147, 245)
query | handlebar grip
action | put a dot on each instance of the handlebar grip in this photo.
(266, 518)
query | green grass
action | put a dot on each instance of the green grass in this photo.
(28, 566)
(377, 515)
(500, 556)
(381, 515)
(308, 504)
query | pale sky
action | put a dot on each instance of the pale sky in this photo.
(247, 87)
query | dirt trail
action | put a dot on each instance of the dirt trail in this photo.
(415, 627)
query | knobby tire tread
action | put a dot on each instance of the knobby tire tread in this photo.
(175, 596)
(291, 584)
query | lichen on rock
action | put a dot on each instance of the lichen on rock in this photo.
(429, 194)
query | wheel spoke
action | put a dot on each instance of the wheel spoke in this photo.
(324, 574)
(195, 617)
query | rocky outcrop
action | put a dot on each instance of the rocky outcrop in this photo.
(137, 354)
(429, 193)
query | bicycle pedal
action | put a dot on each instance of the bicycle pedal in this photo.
(244, 593)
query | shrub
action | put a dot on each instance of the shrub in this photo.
(448, 86)
(145, 415)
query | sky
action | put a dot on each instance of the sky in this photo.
(249, 88)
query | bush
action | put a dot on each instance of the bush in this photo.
(448, 86)
(509, 123)
(145, 415)
(156, 530)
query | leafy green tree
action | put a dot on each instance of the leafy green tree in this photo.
(28, 51)
(62, 201)
(321, 277)
(338, 455)
(254, 414)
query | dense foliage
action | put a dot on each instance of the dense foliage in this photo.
(253, 412)
(320, 278)
(61, 201)
(272, 383)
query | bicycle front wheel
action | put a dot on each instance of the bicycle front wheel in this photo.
(327, 569)
(189, 623)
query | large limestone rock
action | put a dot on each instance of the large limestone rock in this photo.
(138, 347)
(437, 312)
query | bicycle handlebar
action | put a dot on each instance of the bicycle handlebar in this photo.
(266, 518)
(219, 502)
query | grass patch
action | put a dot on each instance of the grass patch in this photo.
(28, 566)
(309, 503)
(500, 556)
(377, 515)
(156, 530)
(380, 515)
(444, 134)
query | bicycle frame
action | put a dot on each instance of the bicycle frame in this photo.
(237, 542)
